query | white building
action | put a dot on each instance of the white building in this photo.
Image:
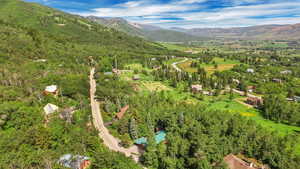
(51, 89)
(50, 108)
(250, 70)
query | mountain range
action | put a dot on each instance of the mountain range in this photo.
(263, 32)
(148, 32)
(155, 33)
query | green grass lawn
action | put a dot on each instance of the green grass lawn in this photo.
(222, 65)
(224, 103)
(174, 46)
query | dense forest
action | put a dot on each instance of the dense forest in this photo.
(40, 46)
(35, 52)
(196, 137)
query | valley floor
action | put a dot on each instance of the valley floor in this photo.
(234, 105)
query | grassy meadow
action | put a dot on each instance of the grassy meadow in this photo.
(210, 68)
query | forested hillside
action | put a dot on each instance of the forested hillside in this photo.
(39, 47)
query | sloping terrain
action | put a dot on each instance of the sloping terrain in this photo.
(40, 46)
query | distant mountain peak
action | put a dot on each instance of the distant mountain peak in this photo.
(150, 32)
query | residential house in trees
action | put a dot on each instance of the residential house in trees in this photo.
(136, 77)
(123, 110)
(297, 98)
(74, 161)
(286, 72)
(250, 70)
(254, 101)
(51, 90)
(251, 88)
(196, 88)
(277, 80)
(50, 108)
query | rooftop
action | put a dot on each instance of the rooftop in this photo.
(51, 88)
(159, 137)
(73, 161)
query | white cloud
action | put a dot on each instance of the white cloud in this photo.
(143, 8)
(190, 1)
(153, 12)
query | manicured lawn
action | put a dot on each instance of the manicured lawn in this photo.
(210, 68)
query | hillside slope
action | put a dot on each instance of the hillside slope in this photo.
(40, 46)
(149, 32)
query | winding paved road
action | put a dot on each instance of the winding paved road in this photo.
(175, 64)
(234, 90)
(110, 141)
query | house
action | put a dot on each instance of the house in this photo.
(250, 88)
(159, 137)
(297, 98)
(41, 60)
(286, 72)
(51, 90)
(250, 70)
(74, 161)
(136, 77)
(207, 93)
(108, 73)
(234, 162)
(277, 80)
(254, 101)
(50, 108)
(196, 88)
(123, 110)
(236, 81)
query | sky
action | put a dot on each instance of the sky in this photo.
(186, 13)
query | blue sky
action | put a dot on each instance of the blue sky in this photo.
(187, 13)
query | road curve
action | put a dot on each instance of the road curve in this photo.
(234, 90)
(110, 141)
(175, 64)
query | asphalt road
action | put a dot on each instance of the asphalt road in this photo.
(110, 141)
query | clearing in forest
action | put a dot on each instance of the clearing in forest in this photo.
(154, 86)
(210, 68)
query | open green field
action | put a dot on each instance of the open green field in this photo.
(175, 47)
(210, 68)
(224, 103)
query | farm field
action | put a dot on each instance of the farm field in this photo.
(210, 68)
